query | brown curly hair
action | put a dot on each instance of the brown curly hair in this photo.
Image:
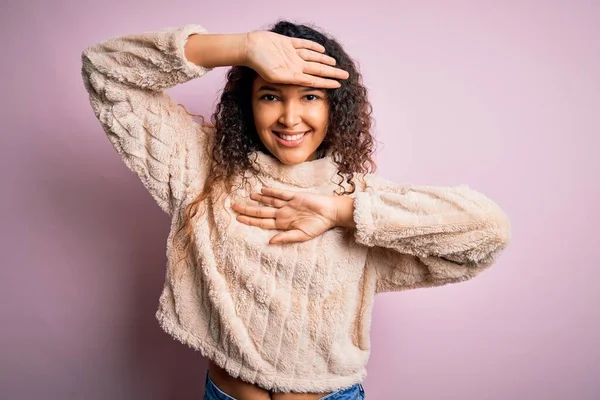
(348, 138)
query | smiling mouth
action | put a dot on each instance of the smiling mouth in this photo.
(290, 138)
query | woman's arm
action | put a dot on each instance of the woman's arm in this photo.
(423, 236)
(156, 138)
(457, 224)
(217, 50)
(418, 236)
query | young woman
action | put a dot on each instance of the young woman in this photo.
(281, 235)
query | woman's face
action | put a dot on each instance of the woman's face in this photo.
(291, 121)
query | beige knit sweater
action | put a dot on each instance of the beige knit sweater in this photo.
(295, 317)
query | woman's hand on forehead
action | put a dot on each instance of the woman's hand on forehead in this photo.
(282, 59)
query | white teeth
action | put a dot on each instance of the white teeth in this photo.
(291, 138)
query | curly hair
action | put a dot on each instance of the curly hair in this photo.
(348, 138)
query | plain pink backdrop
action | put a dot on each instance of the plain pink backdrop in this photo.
(503, 96)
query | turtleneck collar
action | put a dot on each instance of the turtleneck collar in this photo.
(315, 173)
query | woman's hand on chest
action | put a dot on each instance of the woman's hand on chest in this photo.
(300, 216)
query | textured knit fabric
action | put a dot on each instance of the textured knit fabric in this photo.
(294, 317)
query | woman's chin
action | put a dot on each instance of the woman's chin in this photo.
(293, 158)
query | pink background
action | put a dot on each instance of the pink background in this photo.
(503, 96)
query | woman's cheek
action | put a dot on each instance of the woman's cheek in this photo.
(266, 114)
(318, 115)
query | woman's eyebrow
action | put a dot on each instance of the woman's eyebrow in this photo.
(268, 88)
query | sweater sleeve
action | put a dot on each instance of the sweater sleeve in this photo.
(427, 236)
(157, 139)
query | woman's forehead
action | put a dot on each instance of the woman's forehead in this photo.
(262, 84)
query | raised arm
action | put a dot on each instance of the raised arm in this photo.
(157, 139)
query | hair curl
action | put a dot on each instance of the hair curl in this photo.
(348, 138)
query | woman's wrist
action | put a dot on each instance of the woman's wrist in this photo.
(217, 50)
(344, 212)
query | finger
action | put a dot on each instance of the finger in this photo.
(319, 69)
(309, 55)
(289, 237)
(314, 81)
(307, 44)
(272, 201)
(256, 211)
(263, 223)
(286, 195)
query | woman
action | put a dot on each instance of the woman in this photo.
(281, 235)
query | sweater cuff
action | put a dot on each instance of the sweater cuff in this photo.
(180, 39)
(363, 218)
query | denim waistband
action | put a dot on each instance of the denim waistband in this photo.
(354, 392)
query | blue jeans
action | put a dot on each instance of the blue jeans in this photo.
(355, 392)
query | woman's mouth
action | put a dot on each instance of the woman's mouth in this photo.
(290, 139)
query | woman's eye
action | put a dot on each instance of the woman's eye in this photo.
(311, 97)
(268, 97)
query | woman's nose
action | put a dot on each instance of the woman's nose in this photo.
(290, 115)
